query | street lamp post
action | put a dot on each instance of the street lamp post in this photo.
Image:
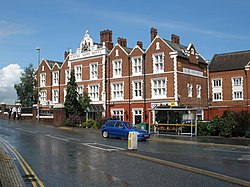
(38, 95)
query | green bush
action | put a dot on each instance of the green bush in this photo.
(247, 134)
(90, 123)
(230, 124)
(204, 129)
(243, 121)
(216, 126)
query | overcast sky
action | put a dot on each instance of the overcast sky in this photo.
(214, 26)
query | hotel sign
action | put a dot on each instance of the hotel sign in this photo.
(193, 72)
(85, 54)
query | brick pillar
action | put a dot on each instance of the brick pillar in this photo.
(59, 116)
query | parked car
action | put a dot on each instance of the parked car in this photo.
(121, 129)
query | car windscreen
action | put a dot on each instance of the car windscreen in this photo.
(128, 125)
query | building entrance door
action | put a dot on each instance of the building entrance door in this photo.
(137, 119)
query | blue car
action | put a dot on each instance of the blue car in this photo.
(121, 129)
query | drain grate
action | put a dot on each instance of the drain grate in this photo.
(29, 178)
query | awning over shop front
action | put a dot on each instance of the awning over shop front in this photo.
(95, 108)
(167, 107)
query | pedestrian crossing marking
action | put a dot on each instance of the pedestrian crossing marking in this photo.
(103, 147)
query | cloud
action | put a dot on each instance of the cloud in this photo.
(8, 29)
(166, 24)
(9, 76)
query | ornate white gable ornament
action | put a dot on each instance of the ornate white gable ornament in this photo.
(86, 43)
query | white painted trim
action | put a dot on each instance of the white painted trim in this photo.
(136, 47)
(217, 89)
(90, 70)
(53, 95)
(133, 87)
(157, 36)
(112, 91)
(174, 56)
(163, 58)
(104, 82)
(133, 112)
(158, 97)
(133, 64)
(237, 88)
(113, 61)
(80, 65)
(118, 45)
(58, 78)
(98, 86)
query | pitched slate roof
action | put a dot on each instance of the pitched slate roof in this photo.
(51, 63)
(181, 48)
(127, 49)
(229, 61)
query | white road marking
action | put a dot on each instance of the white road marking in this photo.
(26, 130)
(225, 150)
(244, 157)
(58, 138)
(103, 147)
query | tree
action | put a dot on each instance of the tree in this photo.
(243, 123)
(84, 102)
(71, 104)
(25, 89)
(75, 104)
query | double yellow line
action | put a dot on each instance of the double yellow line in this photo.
(35, 181)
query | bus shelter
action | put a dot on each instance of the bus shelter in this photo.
(177, 120)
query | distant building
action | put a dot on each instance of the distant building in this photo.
(128, 83)
(229, 82)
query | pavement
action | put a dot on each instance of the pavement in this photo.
(10, 176)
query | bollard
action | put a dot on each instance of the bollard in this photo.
(132, 140)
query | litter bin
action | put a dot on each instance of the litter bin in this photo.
(132, 140)
(144, 126)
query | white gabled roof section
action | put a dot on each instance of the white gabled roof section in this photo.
(136, 46)
(45, 63)
(157, 36)
(190, 45)
(119, 47)
(247, 66)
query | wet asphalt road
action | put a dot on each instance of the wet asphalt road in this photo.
(67, 158)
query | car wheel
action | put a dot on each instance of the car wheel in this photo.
(105, 134)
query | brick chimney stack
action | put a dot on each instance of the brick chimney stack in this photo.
(153, 33)
(122, 41)
(140, 44)
(66, 53)
(106, 36)
(175, 39)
